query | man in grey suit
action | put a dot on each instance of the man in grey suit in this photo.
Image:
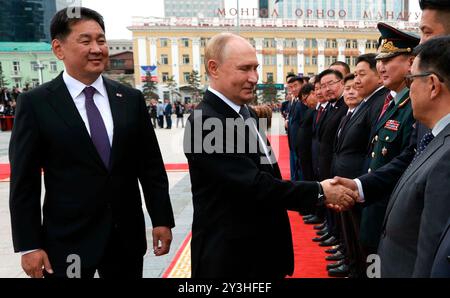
(419, 206)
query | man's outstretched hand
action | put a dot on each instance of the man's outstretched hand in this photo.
(340, 194)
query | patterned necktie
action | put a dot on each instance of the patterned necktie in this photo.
(97, 127)
(387, 102)
(426, 139)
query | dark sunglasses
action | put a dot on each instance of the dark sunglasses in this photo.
(433, 3)
(410, 78)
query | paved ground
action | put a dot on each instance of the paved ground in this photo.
(170, 142)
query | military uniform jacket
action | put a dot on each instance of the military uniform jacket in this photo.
(390, 136)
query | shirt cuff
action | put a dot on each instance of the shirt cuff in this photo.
(27, 251)
(360, 190)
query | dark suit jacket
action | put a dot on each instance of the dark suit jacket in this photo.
(441, 263)
(239, 204)
(84, 200)
(350, 148)
(296, 115)
(417, 213)
(327, 133)
(303, 145)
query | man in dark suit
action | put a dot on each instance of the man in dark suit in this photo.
(93, 139)
(239, 196)
(419, 207)
(303, 141)
(296, 114)
(168, 113)
(441, 263)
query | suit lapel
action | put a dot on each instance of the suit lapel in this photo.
(64, 106)
(421, 159)
(119, 114)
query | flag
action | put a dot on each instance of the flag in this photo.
(149, 69)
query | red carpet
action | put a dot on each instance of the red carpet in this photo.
(309, 256)
(4, 171)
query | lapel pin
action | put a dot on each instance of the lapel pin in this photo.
(119, 95)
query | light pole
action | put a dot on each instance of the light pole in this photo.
(238, 18)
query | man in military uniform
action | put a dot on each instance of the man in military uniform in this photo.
(392, 131)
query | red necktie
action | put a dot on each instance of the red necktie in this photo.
(387, 101)
(319, 113)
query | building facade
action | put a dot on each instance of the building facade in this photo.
(192, 8)
(176, 47)
(117, 46)
(388, 10)
(30, 63)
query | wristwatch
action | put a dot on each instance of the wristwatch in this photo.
(320, 195)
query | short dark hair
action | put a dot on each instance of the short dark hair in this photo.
(434, 56)
(307, 89)
(343, 64)
(434, 4)
(326, 72)
(369, 59)
(295, 78)
(62, 22)
(290, 75)
(349, 77)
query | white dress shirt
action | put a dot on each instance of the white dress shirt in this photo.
(76, 88)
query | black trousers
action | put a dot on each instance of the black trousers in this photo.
(117, 262)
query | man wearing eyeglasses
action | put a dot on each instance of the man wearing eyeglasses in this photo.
(419, 206)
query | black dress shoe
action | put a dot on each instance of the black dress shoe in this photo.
(329, 242)
(313, 220)
(320, 227)
(308, 216)
(334, 249)
(322, 238)
(322, 232)
(335, 265)
(335, 257)
(341, 271)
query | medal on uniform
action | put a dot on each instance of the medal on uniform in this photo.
(384, 151)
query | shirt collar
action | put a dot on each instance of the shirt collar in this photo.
(376, 90)
(440, 125)
(75, 87)
(232, 105)
(398, 96)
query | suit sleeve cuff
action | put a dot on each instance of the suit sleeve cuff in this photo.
(28, 251)
(360, 191)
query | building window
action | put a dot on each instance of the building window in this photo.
(186, 77)
(354, 59)
(314, 60)
(53, 66)
(252, 41)
(206, 77)
(314, 43)
(111, 48)
(16, 67)
(185, 42)
(290, 59)
(290, 43)
(269, 43)
(374, 44)
(18, 82)
(166, 95)
(348, 44)
(269, 77)
(307, 60)
(164, 59)
(34, 65)
(355, 44)
(117, 48)
(35, 82)
(307, 43)
(164, 42)
(270, 60)
(186, 59)
(347, 60)
(368, 44)
(165, 76)
(202, 59)
(203, 42)
(117, 64)
(130, 48)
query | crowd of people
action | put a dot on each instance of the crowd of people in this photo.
(366, 129)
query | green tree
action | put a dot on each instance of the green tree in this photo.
(194, 85)
(269, 93)
(172, 86)
(150, 88)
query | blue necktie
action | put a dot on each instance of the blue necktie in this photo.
(99, 135)
(426, 139)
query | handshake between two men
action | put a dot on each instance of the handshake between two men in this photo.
(340, 193)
